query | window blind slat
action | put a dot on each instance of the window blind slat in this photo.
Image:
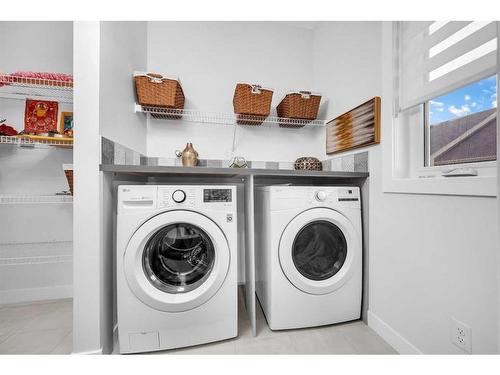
(446, 31)
(462, 47)
(421, 49)
(475, 71)
(456, 61)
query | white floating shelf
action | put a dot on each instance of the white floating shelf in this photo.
(35, 199)
(29, 142)
(225, 118)
(13, 87)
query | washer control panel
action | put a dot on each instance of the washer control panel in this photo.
(176, 196)
(320, 195)
(179, 196)
(217, 195)
(136, 198)
(195, 197)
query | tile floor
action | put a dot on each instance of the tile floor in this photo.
(347, 338)
(37, 328)
(46, 328)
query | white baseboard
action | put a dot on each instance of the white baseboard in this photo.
(393, 338)
(36, 294)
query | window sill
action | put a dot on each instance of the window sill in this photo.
(464, 186)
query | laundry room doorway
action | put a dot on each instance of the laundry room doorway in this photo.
(36, 187)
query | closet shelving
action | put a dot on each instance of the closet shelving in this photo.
(224, 118)
(17, 87)
(25, 253)
(41, 142)
(22, 88)
(35, 199)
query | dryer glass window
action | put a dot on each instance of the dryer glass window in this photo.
(319, 250)
(178, 258)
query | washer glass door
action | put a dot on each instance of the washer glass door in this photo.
(319, 250)
(178, 258)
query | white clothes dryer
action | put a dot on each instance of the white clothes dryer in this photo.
(308, 255)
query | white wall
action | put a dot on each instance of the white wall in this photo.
(106, 53)
(34, 230)
(430, 257)
(346, 64)
(87, 274)
(123, 50)
(210, 58)
(52, 51)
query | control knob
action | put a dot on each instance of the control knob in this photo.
(179, 196)
(320, 195)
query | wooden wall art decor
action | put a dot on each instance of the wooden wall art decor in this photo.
(357, 128)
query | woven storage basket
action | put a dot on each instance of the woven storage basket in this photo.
(251, 103)
(154, 90)
(308, 163)
(68, 171)
(301, 105)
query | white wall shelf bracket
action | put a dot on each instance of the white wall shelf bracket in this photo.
(230, 119)
(22, 88)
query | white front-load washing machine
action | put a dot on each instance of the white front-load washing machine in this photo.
(176, 266)
(308, 255)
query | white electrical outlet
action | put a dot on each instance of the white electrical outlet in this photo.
(461, 335)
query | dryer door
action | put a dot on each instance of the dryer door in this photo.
(318, 250)
(176, 260)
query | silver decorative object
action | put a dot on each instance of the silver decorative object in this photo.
(238, 162)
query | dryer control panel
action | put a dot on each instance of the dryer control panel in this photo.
(284, 197)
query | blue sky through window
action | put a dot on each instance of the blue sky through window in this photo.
(477, 97)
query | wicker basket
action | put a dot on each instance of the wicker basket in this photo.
(154, 90)
(302, 105)
(251, 103)
(308, 163)
(68, 171)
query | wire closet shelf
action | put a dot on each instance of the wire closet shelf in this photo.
(225, 118)
(18, 87)
(42, 142)
(35, 199)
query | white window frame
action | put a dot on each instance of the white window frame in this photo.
(403, 153)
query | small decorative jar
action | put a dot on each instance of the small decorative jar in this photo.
(189, 156)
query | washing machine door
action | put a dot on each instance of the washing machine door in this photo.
(318, 250)
(176, 261)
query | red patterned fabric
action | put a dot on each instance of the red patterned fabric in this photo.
(7, 130)
(40, 116)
